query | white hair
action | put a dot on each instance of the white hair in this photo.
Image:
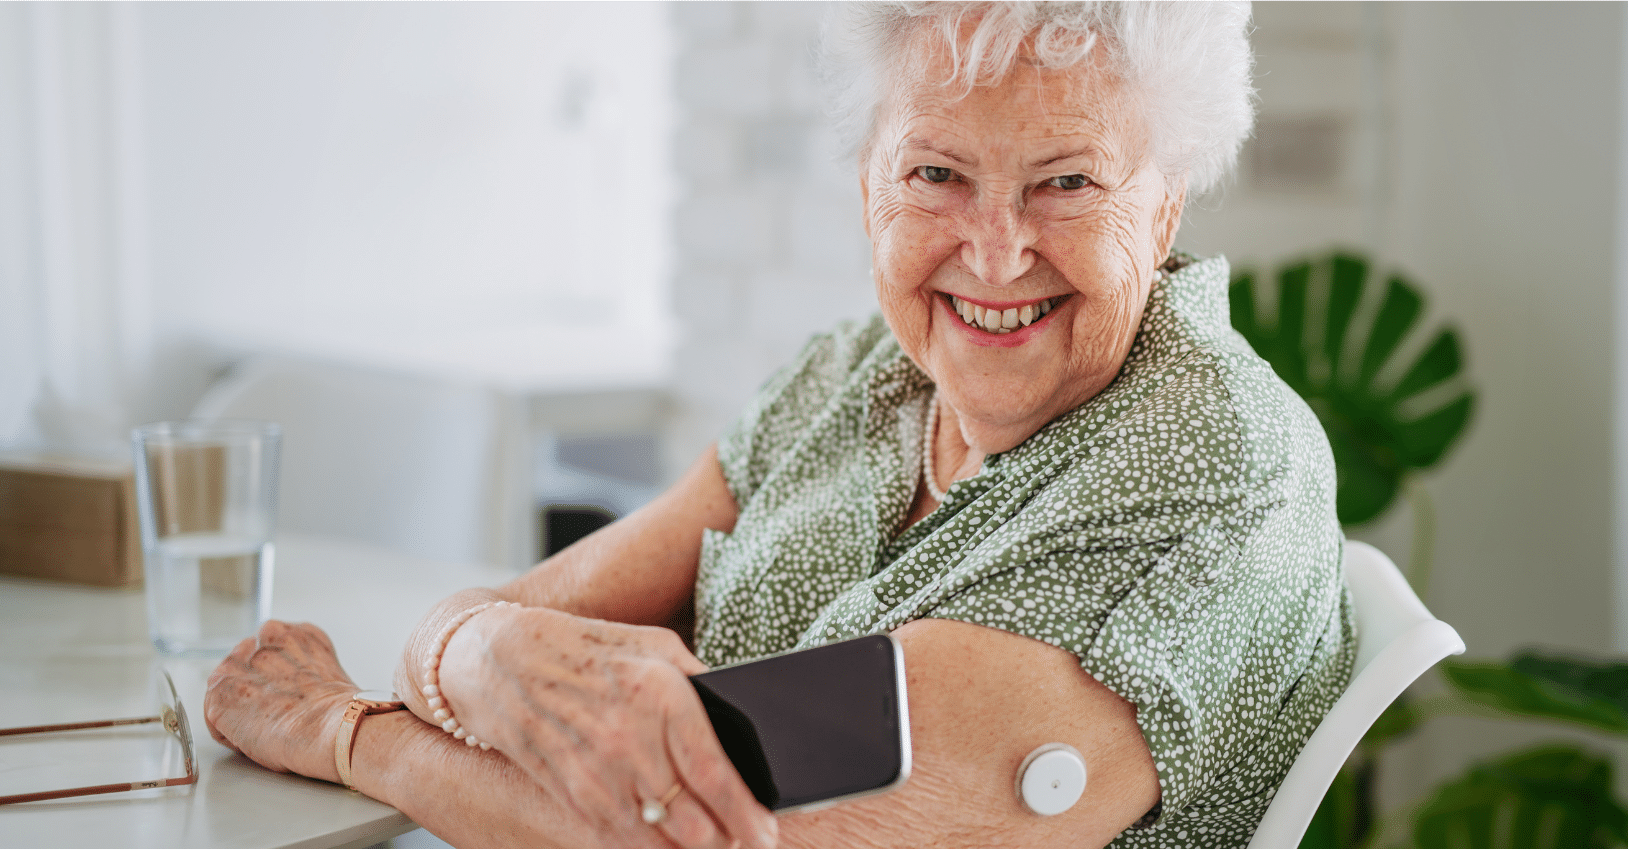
(1186, 63)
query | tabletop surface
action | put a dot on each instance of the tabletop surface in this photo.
(70, 653)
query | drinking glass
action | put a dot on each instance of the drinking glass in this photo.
(207, 498)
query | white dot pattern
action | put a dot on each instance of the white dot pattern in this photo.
(1176, 532)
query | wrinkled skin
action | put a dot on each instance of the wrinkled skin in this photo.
(278, 697)
(1035, 188)
(601, 715)
(277, 690)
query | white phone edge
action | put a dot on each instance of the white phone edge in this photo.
(904, 742)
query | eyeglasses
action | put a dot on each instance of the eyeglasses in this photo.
(171, 715)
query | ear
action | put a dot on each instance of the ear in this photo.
(1168, 219)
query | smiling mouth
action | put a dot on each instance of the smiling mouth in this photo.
(991, 320)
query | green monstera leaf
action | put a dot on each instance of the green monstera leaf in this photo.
(1559, 687)
(1339, 366)
(1551, 796)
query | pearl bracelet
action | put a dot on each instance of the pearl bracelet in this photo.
(432, 676)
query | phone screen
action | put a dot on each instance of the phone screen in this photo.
(813, 725)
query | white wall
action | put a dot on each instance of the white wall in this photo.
(480, 188)
(1508, 199)
(770, 246)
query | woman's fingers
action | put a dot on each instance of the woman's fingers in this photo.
(666, 644)
(603, 717)
(214, 707)
(689, 824)
(608, 760)
(715, 808)
(707, 772)
(275, 698)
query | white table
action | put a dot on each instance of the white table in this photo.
(72, 653)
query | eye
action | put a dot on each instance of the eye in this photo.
(1070, 182)
(935, 173)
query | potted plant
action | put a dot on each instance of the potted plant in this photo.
(1387, 421)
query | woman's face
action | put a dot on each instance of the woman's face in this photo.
(1033, 202)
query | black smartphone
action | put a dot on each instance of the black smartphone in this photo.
(814, 727)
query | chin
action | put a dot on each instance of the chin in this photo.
(1001, 402)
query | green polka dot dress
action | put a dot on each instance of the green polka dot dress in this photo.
(1176, 533)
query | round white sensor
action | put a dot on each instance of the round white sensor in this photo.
(1051, 779)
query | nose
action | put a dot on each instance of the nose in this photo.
(997, 245)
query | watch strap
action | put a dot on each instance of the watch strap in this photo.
(345, 741)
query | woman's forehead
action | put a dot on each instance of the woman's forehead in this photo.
(1025, 113)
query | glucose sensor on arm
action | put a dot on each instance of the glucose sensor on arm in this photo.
(1051, 779)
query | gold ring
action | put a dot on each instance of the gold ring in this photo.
(655, 811)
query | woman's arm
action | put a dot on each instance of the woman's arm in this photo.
(980, 700)
(639, 570)
(278, 698)
(581, 688)
(592, 711)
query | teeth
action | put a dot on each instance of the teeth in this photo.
(1001, 321)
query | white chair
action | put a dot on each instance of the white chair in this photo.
(427, 467)
(1397, 641)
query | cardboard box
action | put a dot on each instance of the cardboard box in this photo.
(69, 519)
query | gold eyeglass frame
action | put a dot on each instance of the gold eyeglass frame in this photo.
(172, 715)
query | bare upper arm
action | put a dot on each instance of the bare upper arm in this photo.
(980, 700)
(641, 568)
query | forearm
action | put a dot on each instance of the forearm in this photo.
(467, 796)
(587, 722)
(640, 571)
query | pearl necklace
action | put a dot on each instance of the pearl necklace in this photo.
(929, 435)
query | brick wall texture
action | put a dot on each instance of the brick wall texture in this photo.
(771, 248)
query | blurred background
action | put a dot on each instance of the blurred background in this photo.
(612, 221)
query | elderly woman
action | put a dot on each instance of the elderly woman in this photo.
(1086, 509)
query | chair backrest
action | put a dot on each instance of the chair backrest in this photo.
(1397, 641)
(423, 466)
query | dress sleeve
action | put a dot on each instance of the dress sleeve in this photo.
(777, 418)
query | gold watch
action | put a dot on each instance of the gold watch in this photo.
(361, 705)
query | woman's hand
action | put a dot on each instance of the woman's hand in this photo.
(278, 699)
(602, 716)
